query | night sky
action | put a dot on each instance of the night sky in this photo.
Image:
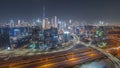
(87, 10)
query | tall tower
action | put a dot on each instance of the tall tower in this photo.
(19, 23)
(44, 12)
(55, 23)
(12, 24)
(43, 24)
(47, 24)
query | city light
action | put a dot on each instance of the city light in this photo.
(66, 32)
(60, 34)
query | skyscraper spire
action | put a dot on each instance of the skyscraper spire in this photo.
(43, 12)
(43, 24)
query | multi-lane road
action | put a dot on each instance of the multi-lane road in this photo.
(76, 55)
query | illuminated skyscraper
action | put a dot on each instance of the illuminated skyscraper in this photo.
(43, 21)
(12, 24)
(54, 22)
(47, 24)
(19, 23)
(44, 12)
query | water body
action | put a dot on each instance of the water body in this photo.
(95, 64)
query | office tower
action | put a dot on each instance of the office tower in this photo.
(19, 23)
(43, 21)
(12, 24)
(47, 24)
(55, 22)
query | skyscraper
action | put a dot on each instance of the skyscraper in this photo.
(19, 23)
(47, 24)
(55, 22)
(43, 21)
(12, 24)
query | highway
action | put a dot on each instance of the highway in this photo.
(80, 53)
(59, 61)
(113, 58)
(77, 54)
(108, 63)
(100, 63)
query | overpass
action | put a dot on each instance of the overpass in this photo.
(71, 57)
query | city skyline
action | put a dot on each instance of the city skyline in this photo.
(83, 10)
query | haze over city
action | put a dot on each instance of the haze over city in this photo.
(81, 10)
